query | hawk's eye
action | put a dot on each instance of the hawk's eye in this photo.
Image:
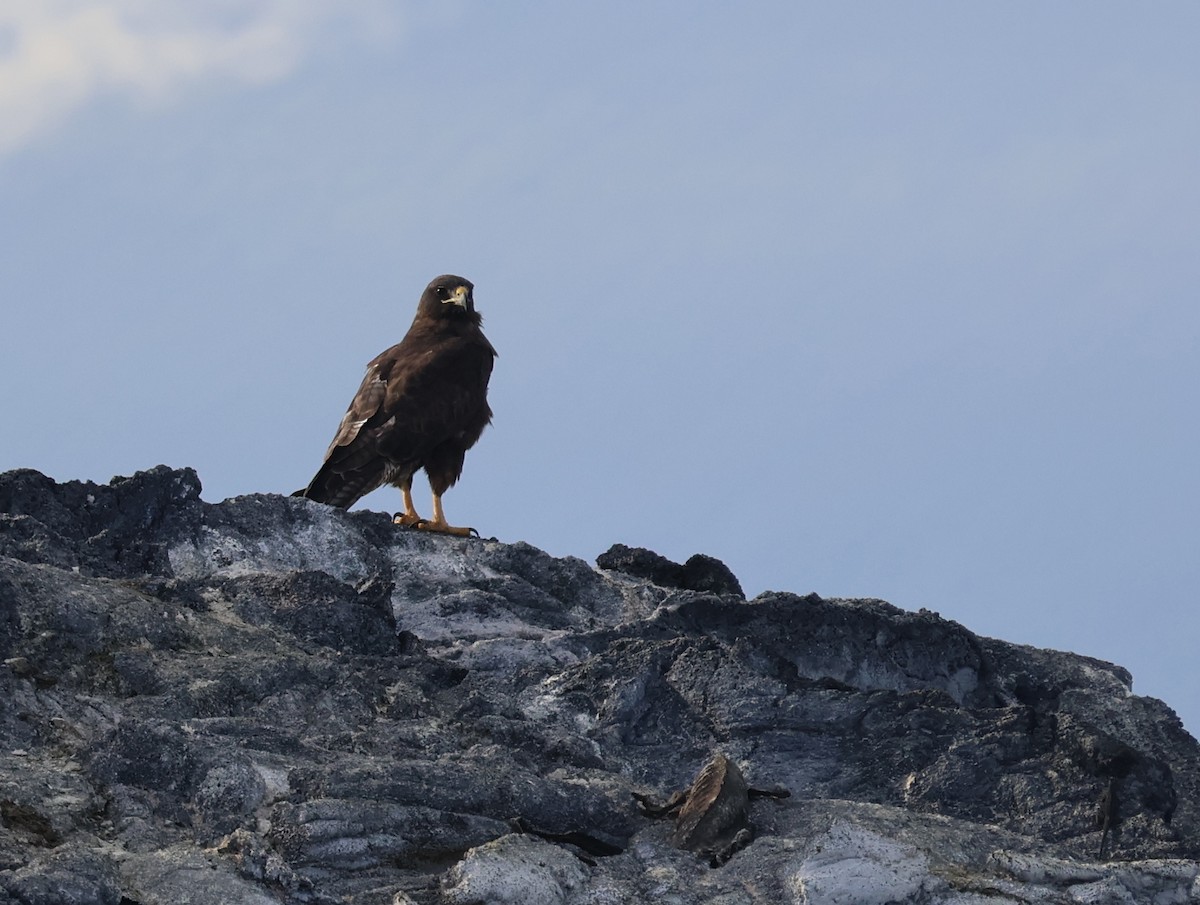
(443, 293)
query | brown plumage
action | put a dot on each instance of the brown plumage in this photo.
(422, 404)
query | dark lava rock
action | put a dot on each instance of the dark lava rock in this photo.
(120, 528)
(699, 573)
(712, 815)
(269, 700)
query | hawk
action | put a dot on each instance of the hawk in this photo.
(422, 404)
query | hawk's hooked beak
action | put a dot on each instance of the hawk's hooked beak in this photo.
(458, 297)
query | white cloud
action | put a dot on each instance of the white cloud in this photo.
(56, 55)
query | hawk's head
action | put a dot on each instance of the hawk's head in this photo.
(448, 296)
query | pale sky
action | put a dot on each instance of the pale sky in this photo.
(893, 300)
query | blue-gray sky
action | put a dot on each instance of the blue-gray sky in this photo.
(868, 299)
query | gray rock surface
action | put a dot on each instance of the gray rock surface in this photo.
(268, 700)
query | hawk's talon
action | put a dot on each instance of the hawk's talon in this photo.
(443, 528)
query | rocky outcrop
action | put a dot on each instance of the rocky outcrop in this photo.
(268, 700)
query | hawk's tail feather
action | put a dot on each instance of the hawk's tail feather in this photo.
(341, 488)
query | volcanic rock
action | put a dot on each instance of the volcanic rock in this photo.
(269, 700)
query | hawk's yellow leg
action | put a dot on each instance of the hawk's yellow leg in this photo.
(438, 522)
(409, 516)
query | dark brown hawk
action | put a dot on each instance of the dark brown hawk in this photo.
(422, 404)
